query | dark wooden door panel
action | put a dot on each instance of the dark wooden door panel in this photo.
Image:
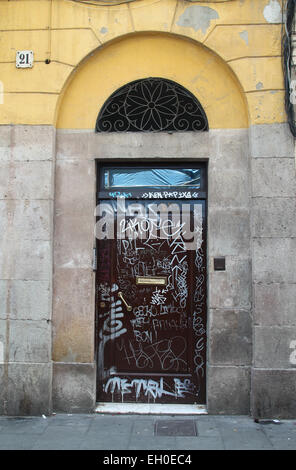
(151, 303)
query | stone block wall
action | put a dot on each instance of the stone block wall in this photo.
(229, 301)
(274, 274)
(74, 372)
(26, 212)
(251, 305)
(229, 351)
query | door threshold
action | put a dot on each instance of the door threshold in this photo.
(150, 409)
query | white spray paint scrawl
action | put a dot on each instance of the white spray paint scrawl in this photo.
(113, 324)
(150, 388)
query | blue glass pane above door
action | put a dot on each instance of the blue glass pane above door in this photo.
(151, 177)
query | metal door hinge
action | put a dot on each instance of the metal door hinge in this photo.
(94, 263)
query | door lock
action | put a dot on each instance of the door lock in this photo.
(129, 307)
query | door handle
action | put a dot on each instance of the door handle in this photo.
(129, 307)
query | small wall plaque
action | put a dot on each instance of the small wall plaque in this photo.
(24, 59)
(219, 264)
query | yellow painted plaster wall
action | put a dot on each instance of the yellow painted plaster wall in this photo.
(226, 52)
(191, 65)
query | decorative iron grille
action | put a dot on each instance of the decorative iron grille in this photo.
(152, 105)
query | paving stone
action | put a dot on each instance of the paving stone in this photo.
(65, 432)
(18, 425)
(110, 427)
(93, 442)
(71, 420)
(237, 420)
(199, 443)
(16, 442)
(57, 443)
(207, 428)
(284, 443)
(153, 443)
(126, 432)
(143, 427)
(238, 439)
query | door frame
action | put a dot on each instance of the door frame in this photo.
(165, 163)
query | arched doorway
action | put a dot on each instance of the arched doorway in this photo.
(151, 273)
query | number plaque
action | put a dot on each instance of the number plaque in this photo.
(24, 59)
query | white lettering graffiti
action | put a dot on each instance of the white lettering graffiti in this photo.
(143, 336)
(169, 194)
(117, 194)
(182, 387)
(149, 311)
(104, 291)
(157, 297)
(148, 387)
(197, 321)
(163, 221)
(112, 327)
(167, 354)
(169, 324)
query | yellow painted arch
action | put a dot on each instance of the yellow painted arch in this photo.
(137, 56)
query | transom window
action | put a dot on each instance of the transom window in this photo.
(151, 177)
(152, 105)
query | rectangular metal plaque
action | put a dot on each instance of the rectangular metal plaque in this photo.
(24, 59)
(219, 264)
(152, 280)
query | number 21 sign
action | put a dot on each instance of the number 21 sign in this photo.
(24, 59)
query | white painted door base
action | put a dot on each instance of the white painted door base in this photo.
(149, 409)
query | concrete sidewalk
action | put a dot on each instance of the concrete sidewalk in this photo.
(144, 432)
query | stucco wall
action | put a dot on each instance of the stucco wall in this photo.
(246, 35)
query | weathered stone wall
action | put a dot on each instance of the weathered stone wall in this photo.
(274, 273)
(229, 314)
(73, 287)
(26, 285)
(26, 212)
(229, 302)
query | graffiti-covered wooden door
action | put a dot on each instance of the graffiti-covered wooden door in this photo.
(151, 294)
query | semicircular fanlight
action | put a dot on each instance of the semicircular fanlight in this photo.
(152, 105)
